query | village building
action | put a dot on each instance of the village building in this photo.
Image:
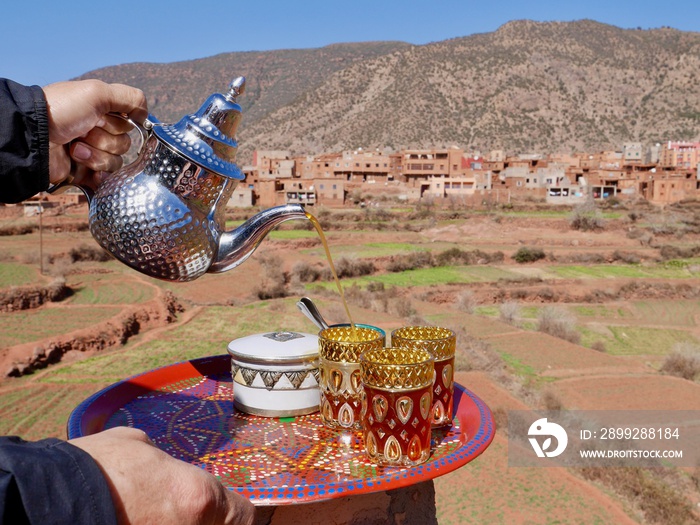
(453, 178)
(680, 155)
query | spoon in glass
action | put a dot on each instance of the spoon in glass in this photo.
(308, 308)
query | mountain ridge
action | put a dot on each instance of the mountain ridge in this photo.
(528, 86)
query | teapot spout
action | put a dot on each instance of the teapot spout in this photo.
(237, 245)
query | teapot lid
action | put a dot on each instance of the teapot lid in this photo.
(207, 137)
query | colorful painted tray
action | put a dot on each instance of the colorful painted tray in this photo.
(187, 410)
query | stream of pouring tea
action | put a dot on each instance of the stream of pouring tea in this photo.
(317, 225)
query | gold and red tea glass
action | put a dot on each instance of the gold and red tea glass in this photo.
(441, 343)
(340, 348)
(396, 405)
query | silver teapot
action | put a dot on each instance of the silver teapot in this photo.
(164, 214)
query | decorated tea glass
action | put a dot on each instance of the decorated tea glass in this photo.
(396, 405)
(340, 348)
(441, 343)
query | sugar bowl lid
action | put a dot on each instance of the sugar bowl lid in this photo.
(275, 348)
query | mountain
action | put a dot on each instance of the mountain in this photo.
(273, 78)
(528, 86)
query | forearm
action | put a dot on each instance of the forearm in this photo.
(51, 481)
(24, 141)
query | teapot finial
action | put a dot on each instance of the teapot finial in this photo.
(236, 88)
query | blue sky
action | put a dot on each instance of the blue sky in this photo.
(48, 40)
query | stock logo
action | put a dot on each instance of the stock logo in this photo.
(548, 430)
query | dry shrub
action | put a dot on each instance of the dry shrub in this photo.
(626, 257)
(60, 267)
(599, 346)
(379, 304)
(558, 323)
(550, 401)
(547, 294)
(375, 297)
(519, 293)
(585, 258)
(521, 279)
(87, 252)
(17, 229)
(270, 290)
(410, 261)
(586, 217)
(346, 267)
(416, 320)
(403, 307)
(357, 296)
(304, 272)
(695, 476)
(34, 258)
(473, 353)
(659, 502)
(509, 312)
(527, 255)
(668, 225)
(683, 361)
(466, 302)
(455, 256)
(273, 280)
(500, 417)
(336, 313)
(669, 251)
(375, 287)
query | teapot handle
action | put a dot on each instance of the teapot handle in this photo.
(144, 130)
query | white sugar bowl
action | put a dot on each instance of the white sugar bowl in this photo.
(275, 374)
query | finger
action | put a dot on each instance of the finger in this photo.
(100, 139)
(59, 163)
(240, 510)
(83, 176)
(115, 125)
(126, 99)
(128, 433)
(95, 159)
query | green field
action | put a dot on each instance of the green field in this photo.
(603, 311)
(26, 326)
(426, 277)
(208, 333)
(380, 249)
(108, 289)
(38, 410)
(524, 312)
(667, 312)
(631, 271)
(284, 235)
(16, 274)
(635, 340)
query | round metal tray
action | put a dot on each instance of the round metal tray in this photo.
(187, 411)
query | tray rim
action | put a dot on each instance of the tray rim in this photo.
(91, 415)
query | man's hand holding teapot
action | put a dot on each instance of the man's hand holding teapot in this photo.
(84, 139)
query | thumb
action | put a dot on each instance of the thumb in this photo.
(240, 510)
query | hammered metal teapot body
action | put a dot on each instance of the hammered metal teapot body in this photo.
(164, 214)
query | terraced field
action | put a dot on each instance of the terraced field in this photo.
(638, 312)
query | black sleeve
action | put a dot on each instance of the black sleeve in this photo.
(24, 141)
(51, 481)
